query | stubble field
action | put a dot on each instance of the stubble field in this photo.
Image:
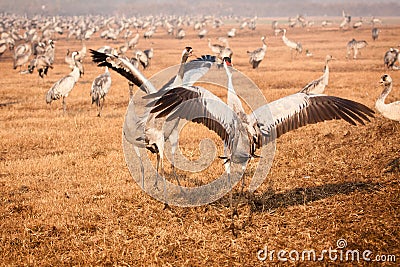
(67, 197)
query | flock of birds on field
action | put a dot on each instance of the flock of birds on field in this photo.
(242, 133)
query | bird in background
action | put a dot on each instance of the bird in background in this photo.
(390, 111)
(100, 87)
(317, 86)
(64, 86)
(391, 57)
(42, 64)
(291, 44)
(355, 46)
(21, 55)
(75, 62)
(257, 55)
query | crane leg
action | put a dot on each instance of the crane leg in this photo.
(101, 104)
(355, 53)
(157, 168)
(141, 165)
(64, 104)
(164, 183)
(173, 138)
(233, 209)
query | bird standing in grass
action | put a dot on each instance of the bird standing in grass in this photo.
(292, 45)
(21, 55)
(257, 55)
(318, 86)
(64, 86)
(391, 57)
(391, 110)
(42, 65)
(100, 87)
(355, 46)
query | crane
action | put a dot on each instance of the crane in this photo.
(42, 65)
(257, 55)
(100, 87)
(391, 110)
(21, 55)
(64, 86)
(140, 130)
(317, 86)
(390, 58)
(292, 45)
(354, 45)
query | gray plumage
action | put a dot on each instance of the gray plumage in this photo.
(215, 48)
(100, 87)
(134, 41)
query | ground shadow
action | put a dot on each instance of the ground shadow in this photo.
(8, 103)
(269, 200)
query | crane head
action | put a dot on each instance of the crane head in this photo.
(227, 61)
(186, 53)
(74, 54)
(385, 80)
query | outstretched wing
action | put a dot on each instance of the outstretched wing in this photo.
(193, 71)
(196, 104)
(308, 88)
(297, 110)
(123, 66)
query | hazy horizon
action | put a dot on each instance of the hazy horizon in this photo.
(261, 8)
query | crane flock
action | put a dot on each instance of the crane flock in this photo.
(242, 133)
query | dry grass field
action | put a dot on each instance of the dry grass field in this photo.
(68, 198)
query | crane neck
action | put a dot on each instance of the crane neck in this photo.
(229, 75)
(386, 91)
(264, 44)
(179, 77)
(75, 73)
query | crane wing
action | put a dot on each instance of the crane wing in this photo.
(257, 54)
(297, 110)
(193, 71)
(198, 105)
(197, 68)
(311, 86)
(123, 66)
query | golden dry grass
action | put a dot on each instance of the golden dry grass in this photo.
(67, 197)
